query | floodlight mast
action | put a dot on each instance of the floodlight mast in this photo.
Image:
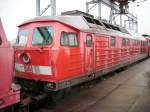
(118, 8)
(51, 5)
(37, 7)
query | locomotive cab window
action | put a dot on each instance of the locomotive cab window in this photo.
(89, 40)
(69, 39)
(22, 37)
(112, 41)
(43, 35)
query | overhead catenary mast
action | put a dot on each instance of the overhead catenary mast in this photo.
(51, 5)
(118, 8)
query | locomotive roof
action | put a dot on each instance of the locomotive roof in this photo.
(87, 24)
(74, 21)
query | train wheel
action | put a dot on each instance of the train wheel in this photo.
(67, 92)
(58, 95)
(61, 94)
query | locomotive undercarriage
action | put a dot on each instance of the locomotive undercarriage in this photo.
(35, 93)
(32, 95)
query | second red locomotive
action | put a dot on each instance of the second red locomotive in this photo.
(9, 92)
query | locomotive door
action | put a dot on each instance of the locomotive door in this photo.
(88, 53)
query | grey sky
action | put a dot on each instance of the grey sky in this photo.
(13, 12)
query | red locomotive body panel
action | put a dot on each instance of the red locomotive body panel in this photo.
(78, 52)
(148, 45)
(9, 94)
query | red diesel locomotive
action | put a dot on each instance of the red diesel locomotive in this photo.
(9, 92)
(53, 53)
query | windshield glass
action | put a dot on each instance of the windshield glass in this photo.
(22, 37)
(43, 35)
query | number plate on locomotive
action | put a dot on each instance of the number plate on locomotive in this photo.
(28, 68)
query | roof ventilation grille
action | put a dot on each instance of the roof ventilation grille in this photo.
(77, 12)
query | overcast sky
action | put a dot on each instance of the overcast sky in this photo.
(14, 12)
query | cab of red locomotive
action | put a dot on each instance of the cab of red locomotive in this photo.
(9, 92)
(40, 55)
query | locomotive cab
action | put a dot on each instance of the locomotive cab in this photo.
(33, 52)
(41, 53)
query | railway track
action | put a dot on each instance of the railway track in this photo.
(85, 96)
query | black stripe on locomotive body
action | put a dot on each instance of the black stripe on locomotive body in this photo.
(83, 48)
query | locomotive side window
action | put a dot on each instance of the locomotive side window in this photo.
(22, 37)
(135, 42)
(73, 41)
(69, 39)
(112, 41)
(64, 39)
(127, 42)
(123, 42)
(43, 35)
(89, 40)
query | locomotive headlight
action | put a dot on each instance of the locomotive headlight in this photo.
(25, 58)
(50, 85)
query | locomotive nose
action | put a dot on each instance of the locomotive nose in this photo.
(33, 62)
